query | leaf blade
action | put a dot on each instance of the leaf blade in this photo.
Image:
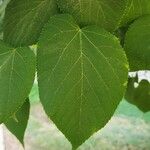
(139, 96)
(17, 70)
(104, 13)
(137, 44)
(24, 20)
(72, 80)
(134, 10)
(17, 125)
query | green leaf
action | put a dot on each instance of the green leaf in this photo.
(106, 13)
(24, 20)
(17, 70)
(139, 96)
(82, 78)
(3, 4)
(137, 44)
(18, 123)
(135, 9)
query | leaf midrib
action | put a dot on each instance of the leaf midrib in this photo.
(81, 57)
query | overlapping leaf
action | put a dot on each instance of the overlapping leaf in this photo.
(139, 96)
(135, 9)
(17, 70)
(82, 76)
(137, 44)
(18, 123)
(24, 20)
(106, 13)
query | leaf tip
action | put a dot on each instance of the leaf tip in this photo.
(74, 147)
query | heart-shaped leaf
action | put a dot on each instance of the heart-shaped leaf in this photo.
(18, 123)
(106, 13)
(17, 70)
(82, 75)
(24, 20)
(137, 44)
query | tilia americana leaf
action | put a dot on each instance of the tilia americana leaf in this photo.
(82, 78)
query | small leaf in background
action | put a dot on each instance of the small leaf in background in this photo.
(82, 75)
(24, 20)
(135, 9)
(137, 44)
(140, 95)
(17, 71)
(106, 13)
(18, 123)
